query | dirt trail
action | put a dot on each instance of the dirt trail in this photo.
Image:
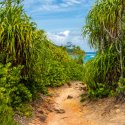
(68, 101)
(68, 110)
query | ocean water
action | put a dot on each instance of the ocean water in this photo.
(89, 56)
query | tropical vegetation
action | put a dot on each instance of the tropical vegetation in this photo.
(75, 52)
(105, 27)
(29, 62)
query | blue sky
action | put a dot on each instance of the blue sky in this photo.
(61, 19)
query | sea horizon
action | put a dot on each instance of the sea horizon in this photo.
(89, 56)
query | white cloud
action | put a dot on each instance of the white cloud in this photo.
(71, 2)
(74, 37)
(59, 38)
(64, 34)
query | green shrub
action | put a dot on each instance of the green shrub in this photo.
(10, 80)
(54, 74)
(121, 86)
(101, 74)
(24, 110)
(74, 71)
(6, 112)
(6, 115)
(101, 90)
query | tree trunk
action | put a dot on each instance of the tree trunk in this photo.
(121, 60)
(121, 41)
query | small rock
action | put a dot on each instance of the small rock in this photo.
(51, 95)
(117, 110)
(116, 106)
(40, 111)
(43, 118)
(69, 84)
(61, 111)
(84, 88)
(64, 117)
(33, 122)
(69, 97)
(50, 110)
(38, 115)
(85, 102)
(81, 83)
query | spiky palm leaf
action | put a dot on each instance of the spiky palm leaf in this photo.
(16, 34)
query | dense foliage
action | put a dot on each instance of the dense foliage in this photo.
(101, 74)
(75, 52)
(105, 28)
(29, 62)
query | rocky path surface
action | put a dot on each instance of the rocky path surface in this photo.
(65, 108)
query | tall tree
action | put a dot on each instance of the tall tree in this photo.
(16, 32)
(105, 26)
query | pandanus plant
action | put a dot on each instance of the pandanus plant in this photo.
(105, 27)
(16, 33)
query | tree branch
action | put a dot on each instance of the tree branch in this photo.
(110, 34)
(116, 45)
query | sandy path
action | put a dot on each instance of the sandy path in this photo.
(70, 111)
(74, 115)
